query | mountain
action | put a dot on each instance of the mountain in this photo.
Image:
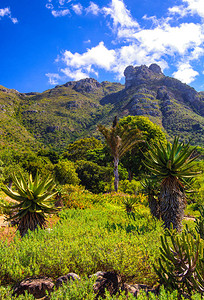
(67, 112)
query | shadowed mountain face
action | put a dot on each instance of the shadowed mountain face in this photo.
(65, 113)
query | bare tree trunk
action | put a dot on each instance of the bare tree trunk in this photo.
(116, 180)
(173, 203)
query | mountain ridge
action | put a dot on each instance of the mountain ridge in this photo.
(71, 111)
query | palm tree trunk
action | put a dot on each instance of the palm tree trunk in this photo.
(116, 180)
(173, 203)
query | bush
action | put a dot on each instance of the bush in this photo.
(65, 173)
(93, 176)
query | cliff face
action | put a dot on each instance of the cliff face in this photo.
(71, 111)
(166, 88)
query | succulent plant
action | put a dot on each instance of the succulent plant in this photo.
(200, 222)
(171, 165)
(181, 266)
(34, 201)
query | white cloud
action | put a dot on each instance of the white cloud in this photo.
(7, 12)
(93, 8)
(75, 74)
(49, 6)
(60, 13)
(14, 20)
(53, 78)
(120, 14)
(170, 40)
(185, 73)
(99, 56)
(77, 8)
(162, 41)
(61, 2)
(193, 7)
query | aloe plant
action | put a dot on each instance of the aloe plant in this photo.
(199, 222)
(171, 166)
(34, 201)
(181, 263)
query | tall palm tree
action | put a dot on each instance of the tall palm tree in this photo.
(172, 166)
(120, 139)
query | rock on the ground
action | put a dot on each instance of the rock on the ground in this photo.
(35, 286)
(66, 278)
(109, 281)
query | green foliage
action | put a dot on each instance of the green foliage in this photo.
(151, 134)
(65, 173)
(171, 161)
(199, 221)
(120, 139)
(85, 241)
(181, 266)
(33, 197)
(93, 176)
(132, 187)
(78, 150)
(172, 167)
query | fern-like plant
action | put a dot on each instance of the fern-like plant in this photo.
(171, 165)
(34, 201)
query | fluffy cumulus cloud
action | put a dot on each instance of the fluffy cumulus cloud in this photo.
(120, 14)
(135, 45)
(81, 65)
(185, 73)
(192, 7)
(7, 12)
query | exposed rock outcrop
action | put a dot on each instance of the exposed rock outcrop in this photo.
(138, 75)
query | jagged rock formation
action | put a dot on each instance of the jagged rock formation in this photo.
(139, 75)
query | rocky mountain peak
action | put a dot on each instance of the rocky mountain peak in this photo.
(87, 85)
(138, 75)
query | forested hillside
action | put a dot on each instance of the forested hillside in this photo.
(71, 111)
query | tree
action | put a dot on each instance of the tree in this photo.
(171, 166)
(93, 176)
(151, 134)
(34, 201)
(120, 139)
(78, 150)
(65, 173)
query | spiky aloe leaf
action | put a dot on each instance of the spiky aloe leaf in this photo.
(34, 197)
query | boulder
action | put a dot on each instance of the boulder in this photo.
(109, 281)
(38, 287)
(66, 278)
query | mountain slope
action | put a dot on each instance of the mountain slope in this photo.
(65, 113)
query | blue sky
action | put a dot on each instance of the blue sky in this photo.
(48, 42)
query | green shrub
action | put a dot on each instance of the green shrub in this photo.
(65, 173)
(93, 176)
(84, 242)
